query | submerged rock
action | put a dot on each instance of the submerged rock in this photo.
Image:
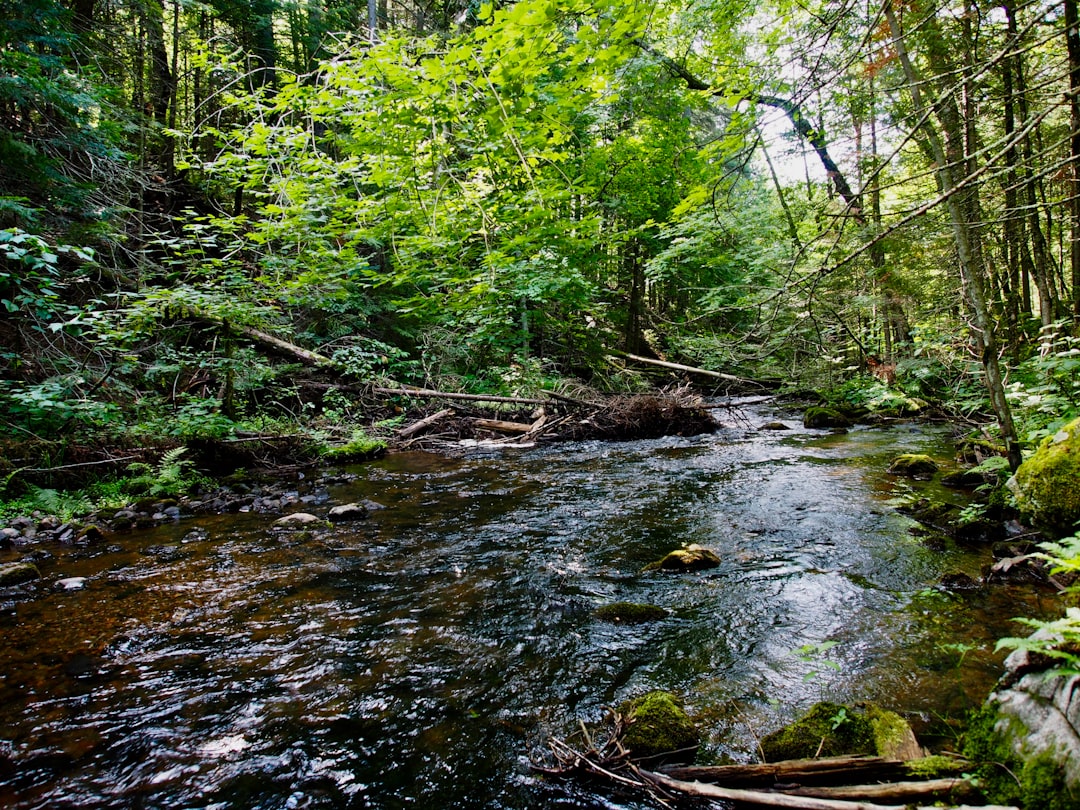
(691, 558)
(825, 418)
(629, 613)
(913, 465)
(658, 724)
(1047, 485)
(17, 573)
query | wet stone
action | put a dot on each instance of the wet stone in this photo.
(17, 573)
(347, 512)
(297, 519)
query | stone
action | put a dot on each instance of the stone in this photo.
(963, 479)
(1038, 713)
(824, 418)
(658, 724)
(297, 519)
(17, 573)
(691, 558)
(71, 583)
(629, 613)
(827, 730)
(1047, 485)
(347, 512)
(774, 426)
(913, 465)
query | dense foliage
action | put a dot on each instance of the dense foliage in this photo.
(501, 197)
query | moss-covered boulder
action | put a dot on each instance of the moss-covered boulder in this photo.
(691, 558)
(913, 465)
(825, 418)
(659, 725)
(1047, 485)
(17, 573)
(830, 729)
(827, 730)
(629, 613)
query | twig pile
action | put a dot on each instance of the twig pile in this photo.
(559, 418)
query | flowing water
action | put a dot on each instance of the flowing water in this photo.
(421, 657)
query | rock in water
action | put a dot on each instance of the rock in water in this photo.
(691, 558)
(347, 512)
(296, 519)
(17, 573)
(1047, 485)
(658, 724)
(913, 465)
(825, 418)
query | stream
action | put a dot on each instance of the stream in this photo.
(419, 658)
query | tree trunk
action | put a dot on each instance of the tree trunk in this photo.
(948, 145)
(1072, 41)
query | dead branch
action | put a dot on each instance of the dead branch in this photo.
(423, 424)
(783, 800)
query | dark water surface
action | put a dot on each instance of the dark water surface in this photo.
(419, 658)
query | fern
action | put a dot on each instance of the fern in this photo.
(173, 476)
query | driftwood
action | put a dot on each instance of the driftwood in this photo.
(823, 771)
(769, 799)
(423, 424)
(907, 792)
(500, 426)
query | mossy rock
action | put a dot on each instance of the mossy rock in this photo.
(691, 558)
(913, 465)
(17, 573)
(825, 418)
(893, 737)
(1047, 485)
(827, 730)
(629, 613)
(1036, 781)
(659, 725)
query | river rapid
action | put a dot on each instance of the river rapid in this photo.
(421, 657)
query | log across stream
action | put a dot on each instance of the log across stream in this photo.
(420, 657)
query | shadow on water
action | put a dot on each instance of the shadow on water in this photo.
(417, 659)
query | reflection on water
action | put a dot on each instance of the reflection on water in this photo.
(417, 659)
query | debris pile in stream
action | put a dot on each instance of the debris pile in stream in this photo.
(672, 412)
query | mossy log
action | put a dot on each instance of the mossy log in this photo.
(818, 772)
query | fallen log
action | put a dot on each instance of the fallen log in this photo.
(275, 344)
(906, 792)
(783, 800)
(689, 369)
(500, 426)
(823, 771)
(429, 394)
(423, 424)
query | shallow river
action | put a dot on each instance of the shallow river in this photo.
(419, 658)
